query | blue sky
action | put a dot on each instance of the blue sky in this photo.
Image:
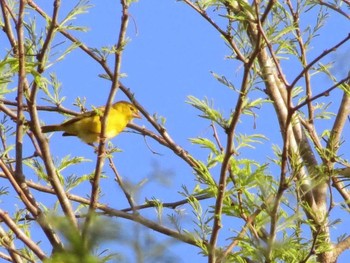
(171, 53)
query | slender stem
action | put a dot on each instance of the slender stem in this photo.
(21, 235)
(115, 85)
(6, 12)
(20, 92)
(319, 57)
(226, 163)
(36, 128)
(120, 182)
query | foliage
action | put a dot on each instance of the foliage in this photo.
(236, 202)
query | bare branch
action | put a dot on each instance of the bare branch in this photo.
(7, 12)
(318, 58)
(20, 235)
(120, 182)
(340, 247)
(335, 8)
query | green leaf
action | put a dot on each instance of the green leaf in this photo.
(203, 174)
(244, 140)
(213, 161)
(206, 108)
(205, 143)
(223, 80)
(68, 161)
(37, 167)
(80, 8)
(54, 97)
(250, 105)
(73, 181)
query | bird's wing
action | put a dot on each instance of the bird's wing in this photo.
(88, 114)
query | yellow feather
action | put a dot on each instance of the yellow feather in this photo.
(87, 126)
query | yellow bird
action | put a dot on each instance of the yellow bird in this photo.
(87, 126)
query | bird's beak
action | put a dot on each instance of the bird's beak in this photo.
(137, 115)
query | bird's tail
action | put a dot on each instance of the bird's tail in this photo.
(50, 128)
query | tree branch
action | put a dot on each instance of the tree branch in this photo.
(22, 236)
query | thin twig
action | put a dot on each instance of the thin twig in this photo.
(318, 58)
(133, 217)
(122, 186)
(282, 181)
(6, 11)
(247, 225)
(321, 94)
(228, 38)
(35, 124)
(20, 94)
(22, 236)
(86, 201)
(8, 243)
(303, 57)
(216, 137)
(225, 165)
(335, 8)
(102, 62)
(119, 47)
(270, 48)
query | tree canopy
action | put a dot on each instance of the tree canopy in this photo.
(242, 152)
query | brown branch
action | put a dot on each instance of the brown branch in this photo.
(216, 137)
(313, 246)
(120, 182)
(22, 236)
(162, 131)
(286, 153)
(20, 94)
(334, 140)
(303, 58)
(280, 94)
(49, 36)
(6, 12)
(35, 125)
(225, 163)
(57, 108)
(80, 44)
(318, 58)
(133, 217)
(230, 131)
(321, 94)
(341, 190)
(170, 205)
(230, 150)
(339, 123)
(341, 247)
(267, 11)
(164, 139)
(20, 191)
(228, 38)
(240, 236)
(95, 189)
(8, 244)
(86, 201)
(6, 257)
(115, 80)
(31, 205)
(270, 48)
(335, 8)
(19, 182)
(27, 198)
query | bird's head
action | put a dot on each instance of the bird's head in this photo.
(128, 109)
